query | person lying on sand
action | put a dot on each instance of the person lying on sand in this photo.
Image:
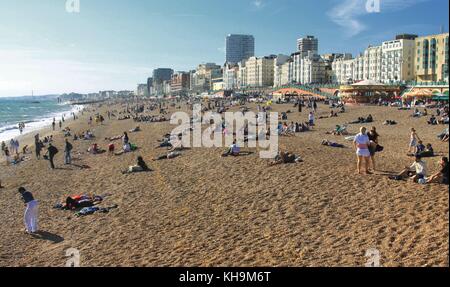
(170, 155)
(285, 158)
(389, 123)
(332, 115)
(135, 130)
(441, 177)
(362, 120)
(141, 166)
(332, 144)
(416, 172)
(75, 202)
(339, 131)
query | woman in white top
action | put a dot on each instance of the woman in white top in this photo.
(361, 144)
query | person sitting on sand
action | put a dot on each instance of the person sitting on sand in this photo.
(417, 171)
(432, 121)
(285, 158)
(234, 150)
(428, 151)
(441, 177)
(141, 166)
(332, 144)
(420, 147)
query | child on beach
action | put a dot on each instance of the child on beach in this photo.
(414, 139)
(31, 211)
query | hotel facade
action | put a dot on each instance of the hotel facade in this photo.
(431, 61)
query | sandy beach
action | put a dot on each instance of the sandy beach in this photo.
(204, 210)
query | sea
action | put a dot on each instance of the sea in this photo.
(36, 112)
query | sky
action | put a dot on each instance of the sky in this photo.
(115, 44)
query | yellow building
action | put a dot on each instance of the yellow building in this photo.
(431, 63)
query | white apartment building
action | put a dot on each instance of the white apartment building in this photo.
(230, 77)
(280, 63)
(398, 60)
(309, 69)
(343, 69)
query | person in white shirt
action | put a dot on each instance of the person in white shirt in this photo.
(416, 172)
(361, 144)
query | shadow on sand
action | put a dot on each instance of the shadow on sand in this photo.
(44, 235)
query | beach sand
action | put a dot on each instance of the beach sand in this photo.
(204, 210)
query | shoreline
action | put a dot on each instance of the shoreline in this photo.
(44, 130)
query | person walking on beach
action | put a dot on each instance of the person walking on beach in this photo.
(3, 147)
(31, 211)
(51, 152)
(60, 124)
(361, 144)
(414, 140)
(53, 124)
(67, 150)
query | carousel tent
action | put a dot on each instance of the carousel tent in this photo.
(367, 91)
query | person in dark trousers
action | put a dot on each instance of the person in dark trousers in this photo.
(31, 211)
(67, 150)
(51, 152)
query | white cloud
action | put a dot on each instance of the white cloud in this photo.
(258, 4)
(347, 13)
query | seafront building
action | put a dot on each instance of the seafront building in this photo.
(202, 78)
(307, 45)
(398, 59)
(239, 48)
(161, 78)
(142, 90)
(405, 59)
(281, 70)
(431, 61)
(180, 84)
(257, 72)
